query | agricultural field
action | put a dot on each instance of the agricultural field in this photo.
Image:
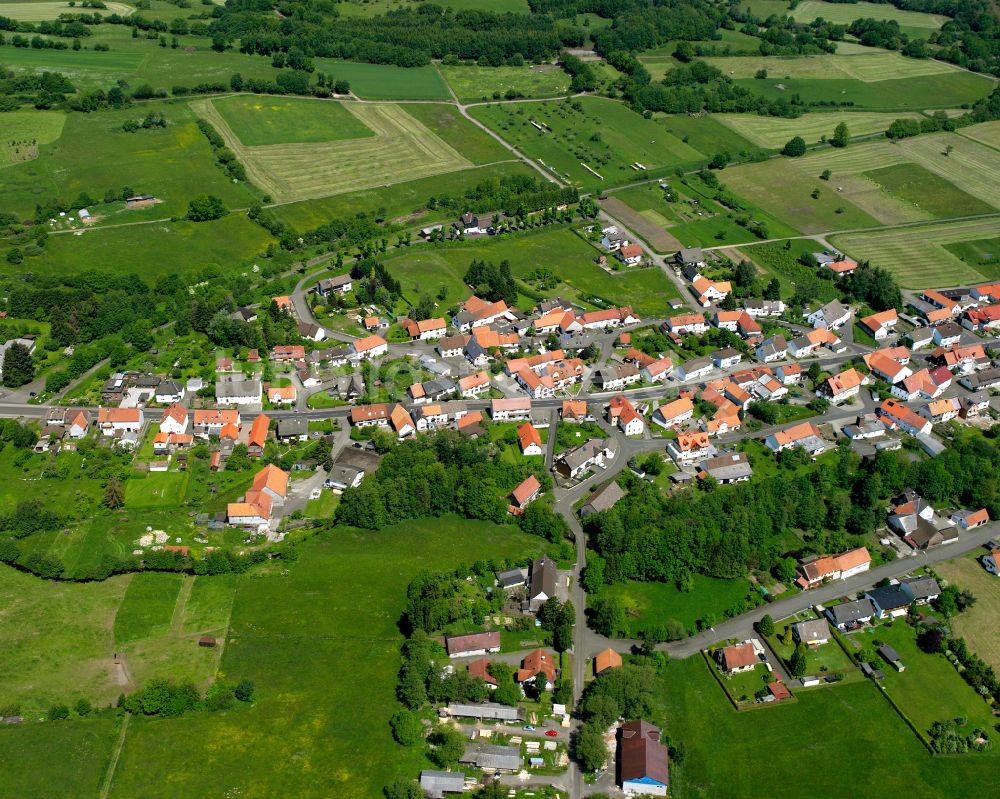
(782, 189)
(930, 264)
(589, 135)
(939, 90)
(259, 120)
(402, 202)
(983, 255)
(727, 750)
(914, 23)
(987, 133)
(22, 133)
(400, 146)
(471, 83)
(445, 122)
(710, 133)
(41, 11)
(558, 249)
(927, 191)
(869, 67)
(975, 625)
(773, 132)
(93, 154)
(387, 82)
(298, 634)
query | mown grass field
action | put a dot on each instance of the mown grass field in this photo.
(558, 249)
(38, 12)
(23, 132)
(943, 90)
(94, 154)
(917, 255)
(649, 604)
(387, 82)
(472, 83)
(728, 750)
(259, 120)
(983, 255)
(773, 132)
(987, 133)
(227, 245)
(600, 133)
(147, 607)
(976, 625)
(869, 67)
(926, 190)
(305, 636)
(400, 146)
(405, 202)
(445, 122)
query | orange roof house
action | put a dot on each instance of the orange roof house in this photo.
(607, 659)
(740, 657)
(258, 432)
(530, 440)
(525, 492)
(272, 480)
(284, 303)
(575, 410)
(534, 663)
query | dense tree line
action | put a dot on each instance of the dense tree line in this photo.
(515, 195)
(491, 281)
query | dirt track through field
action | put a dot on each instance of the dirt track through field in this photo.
(402, 148)
(658, 238)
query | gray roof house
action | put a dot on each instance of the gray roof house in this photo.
(812, 633)
(602, 499)
(489, 757)
(512, 578)
(890, 600)
(729, 467)
(435, 784)
(891, 656)
(292, 428)
(690, 256)
(543, 583)
(851, 614)
(922, 589)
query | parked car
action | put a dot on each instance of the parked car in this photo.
(552, 733)
(528, 727)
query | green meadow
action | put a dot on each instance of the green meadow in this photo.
(472, 83)
(387, 82)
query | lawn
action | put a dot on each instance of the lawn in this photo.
(871, 66)
(94, 154)
(773, 132)
(58, 640)
(987, 133)
(928, 191)
(226, 245)
(473, 83)
(302, 634)
(385, 81)
(728, 750)
(982, 255)
(401, 146)
(603, 134)
(827, 658)
(558, 249)
(657, 603)
(951, 696)
(927, 265)
(50, 10)
(272, 120)
(401, 202)
(976, 625)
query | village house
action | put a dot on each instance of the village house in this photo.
(981, 381)
(282, 395)
(915, 521)
(474, 385)
(526, 492)
(726, 358)
(694, 369)
(425, 329)
(542, 583)
(842, 387)
(629, 254)
(642, 759)
(115, 421)
(817, 569)
(774, 348)
(602, 499)
(510, 410)
(613, 239)
(738, 658)
(606, 659)
(880, 324)
(431, 391)
(727, 320)
(923, 384)
(616, 376)
(849, 616)
(866, 426)
(729, 467)
(574, 411)
(174, 419)
(812, 633)
(768, 388)
(167, 392)
(538, 669)
(657, 371)
(831, 316)
(530, 440)
(673, 413)
(79, 425)
(763, 308)
(947, 334)
(895, 415)
(974, 405)
(373, 346)
(476, 312)
(807, 344)
(609, 318)
(919, 337)
(804, 434)
(690, 447)
(267, 491)
(239, 391)
(211, 422)
(981, 320)
(628, 419)
(576, 461)
(472, 644)
(288, 353)
(341, 284)
(970, 519)
(942, 410)
(683, 324)
(708, 291)
(890, 601)
(452, 346)
(435, 784)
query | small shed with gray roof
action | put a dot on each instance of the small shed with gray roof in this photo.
(490, 757)
(435, 784)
